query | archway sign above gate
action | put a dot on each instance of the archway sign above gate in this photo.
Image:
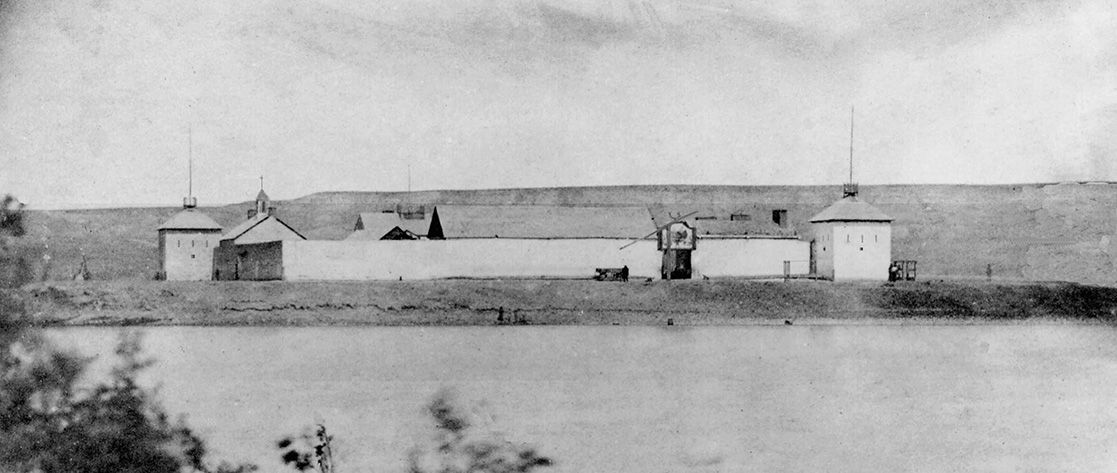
(676, 236)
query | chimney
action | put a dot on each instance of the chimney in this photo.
(251, 213)
(271, 211)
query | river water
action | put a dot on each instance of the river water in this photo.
(647, 399)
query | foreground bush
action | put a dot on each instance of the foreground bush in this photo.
(458, 447)
(48, 424)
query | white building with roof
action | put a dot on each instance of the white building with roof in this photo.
(852, 241)
(262, 226)
(186, 244)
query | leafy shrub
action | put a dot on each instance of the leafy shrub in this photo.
(458, 447)
(48, 425)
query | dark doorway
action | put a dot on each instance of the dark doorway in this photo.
(676, 264)
(814, 259)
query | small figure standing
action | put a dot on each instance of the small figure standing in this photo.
(624, 273)
(989, 272)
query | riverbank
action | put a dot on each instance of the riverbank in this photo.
(560, 302)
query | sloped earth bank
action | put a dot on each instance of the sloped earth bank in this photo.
(562, 302)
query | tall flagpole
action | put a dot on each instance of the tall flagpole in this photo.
(851, 144)
(190, 147)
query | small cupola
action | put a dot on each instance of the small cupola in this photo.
(262, 203)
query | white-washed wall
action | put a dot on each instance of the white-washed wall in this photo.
(187, 255)
(862, 250)
(824, 248)
(489, 257)
(750, 257)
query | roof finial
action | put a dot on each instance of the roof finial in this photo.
(261, 182)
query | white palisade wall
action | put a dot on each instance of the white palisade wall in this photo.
(483, 258)
(750, 257)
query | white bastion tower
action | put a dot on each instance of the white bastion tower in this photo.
(852, 240)
(187, 239)
(186, 243)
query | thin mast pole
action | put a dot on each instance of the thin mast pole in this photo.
(851, 144)
(190, 152)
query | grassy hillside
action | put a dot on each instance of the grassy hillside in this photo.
(1030, 231)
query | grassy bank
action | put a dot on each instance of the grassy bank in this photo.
(484, 302)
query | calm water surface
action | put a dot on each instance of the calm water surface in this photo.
(644, 399)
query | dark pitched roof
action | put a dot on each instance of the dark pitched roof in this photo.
(262, 195)
(190, 219)
(851, 209)
(543, 221)
(374, 225)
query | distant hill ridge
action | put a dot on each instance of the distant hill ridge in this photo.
(1057, 231)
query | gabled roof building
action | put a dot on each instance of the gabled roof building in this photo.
(262, 226)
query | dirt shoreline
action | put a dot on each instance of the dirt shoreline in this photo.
(564, 302)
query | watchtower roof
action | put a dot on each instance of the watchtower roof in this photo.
(851, 209)
(190, 219)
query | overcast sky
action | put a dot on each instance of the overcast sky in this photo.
(97, 96)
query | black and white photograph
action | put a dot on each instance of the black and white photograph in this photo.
(558, 236)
